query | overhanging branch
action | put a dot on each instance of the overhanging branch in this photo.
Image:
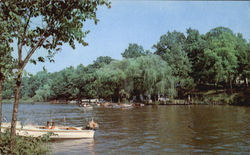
(32, 51)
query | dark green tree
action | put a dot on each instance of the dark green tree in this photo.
(133, 51)
(181, 67)
(32, 83)
(8, 88)
(101, 61)
(171, 49)
(168, 41)
(221, 56)
(63, 85)
(243, 56)
(195, 45)
(85, 81)
(86, 78)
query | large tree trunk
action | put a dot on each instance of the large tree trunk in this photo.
(15, 111)
(1, 88)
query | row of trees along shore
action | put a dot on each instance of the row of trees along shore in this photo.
(179, 65)
(32, 25)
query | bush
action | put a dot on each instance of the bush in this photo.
(25, 145)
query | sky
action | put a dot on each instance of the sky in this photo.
(143, 22)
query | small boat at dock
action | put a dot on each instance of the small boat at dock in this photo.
(60, 132)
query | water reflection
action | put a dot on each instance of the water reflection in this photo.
(149, 130)
(79, 146)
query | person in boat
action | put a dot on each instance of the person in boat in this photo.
(92, 125)
(71, 128)
(46, 127)
(53, 125)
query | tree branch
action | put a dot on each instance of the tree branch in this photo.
(21, 43)
(26, 26)
(32, 51)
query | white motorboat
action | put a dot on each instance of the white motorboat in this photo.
(61, 132)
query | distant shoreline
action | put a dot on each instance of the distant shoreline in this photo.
(211, 97)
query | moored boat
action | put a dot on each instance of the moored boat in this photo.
(60, 132)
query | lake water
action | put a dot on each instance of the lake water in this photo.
(186, 129)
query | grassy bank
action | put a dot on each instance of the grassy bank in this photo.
(238, 97)
(26, 100)
(25, 145)
(207, 97)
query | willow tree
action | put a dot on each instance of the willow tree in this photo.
(144, 76)
(110, 80)
(45, 24)
(152, 76)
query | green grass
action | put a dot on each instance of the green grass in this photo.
(26, 100)
(221, 97)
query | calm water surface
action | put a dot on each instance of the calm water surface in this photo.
(148, 130)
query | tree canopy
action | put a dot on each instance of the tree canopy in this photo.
(134, 50)
(179, 65)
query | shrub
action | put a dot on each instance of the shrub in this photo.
(25, 145)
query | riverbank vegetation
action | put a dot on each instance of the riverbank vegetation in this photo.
(210, 68)
(25, 145)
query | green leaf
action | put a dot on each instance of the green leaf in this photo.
(41, 59)
(33, 61)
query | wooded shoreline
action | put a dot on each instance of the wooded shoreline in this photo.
(206, 68)
(239, 97)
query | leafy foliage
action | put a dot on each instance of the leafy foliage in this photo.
(168, 41)
(64, 83)
(134, 51)
(60, 22)
(195, 45)
(220, 57)
(243, 56)
(178, 65)
(171, 49)
(25, 145)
